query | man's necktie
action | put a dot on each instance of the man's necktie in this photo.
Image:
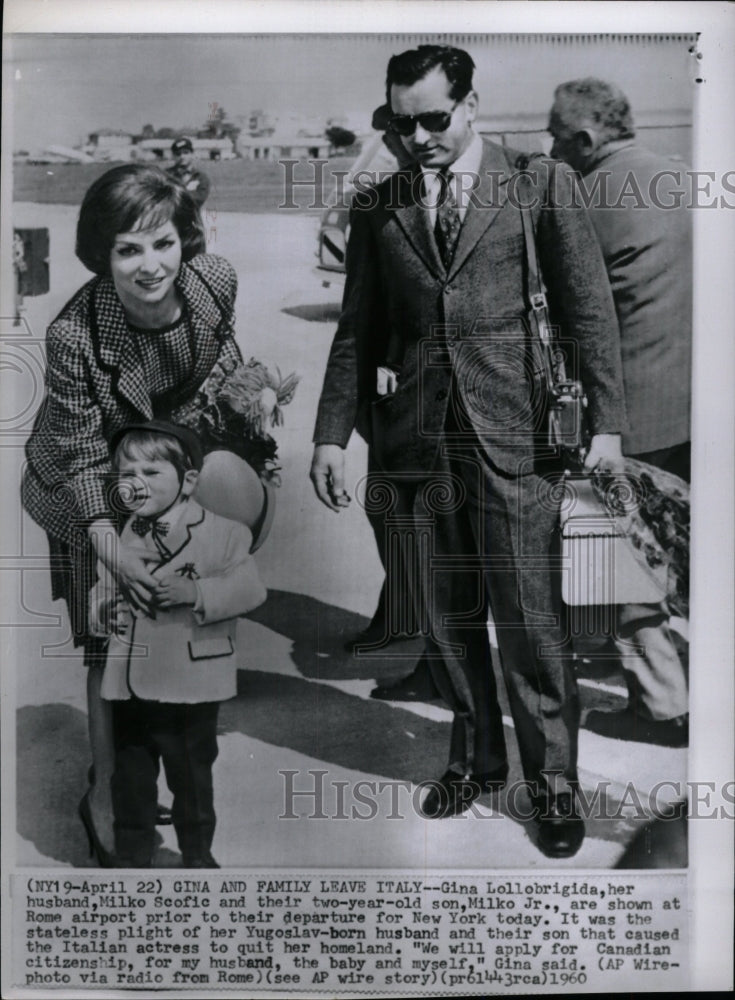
(448, 223)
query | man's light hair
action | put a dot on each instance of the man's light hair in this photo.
(596, 103)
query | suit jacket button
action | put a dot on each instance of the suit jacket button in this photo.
(441, 395)
(448, 289)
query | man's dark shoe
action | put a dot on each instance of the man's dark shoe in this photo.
(626, 725)
(376, 632)
(417, 686)
(454, 793)
(560, 827)
(198, 861)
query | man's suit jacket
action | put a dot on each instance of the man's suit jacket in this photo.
(461, 329)
(95, 385)
(185, 654)
(648, 255)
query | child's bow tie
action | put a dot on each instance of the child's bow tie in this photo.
(142, 525)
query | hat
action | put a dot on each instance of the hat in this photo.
(188, 438)
(182, 146)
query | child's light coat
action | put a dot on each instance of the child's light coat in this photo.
(185, 654)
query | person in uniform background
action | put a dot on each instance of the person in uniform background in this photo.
(647, 245)
(194, 180)
(436, 289)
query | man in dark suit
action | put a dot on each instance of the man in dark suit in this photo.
(396, 616)
(647, 245)
(436, 290)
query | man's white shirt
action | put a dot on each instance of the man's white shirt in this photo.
(464, 168)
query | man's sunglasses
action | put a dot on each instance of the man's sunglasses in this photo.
(430, 121)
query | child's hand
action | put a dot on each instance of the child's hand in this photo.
(113, 618)
(173, 590)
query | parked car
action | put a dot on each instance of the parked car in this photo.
(375, 161)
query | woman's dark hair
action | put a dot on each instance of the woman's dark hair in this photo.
(413, 65)
(134, 195)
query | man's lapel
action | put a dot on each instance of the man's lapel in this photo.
(487, 200)
(491, 194)
(408, 197)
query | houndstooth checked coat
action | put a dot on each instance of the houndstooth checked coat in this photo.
(95, 385)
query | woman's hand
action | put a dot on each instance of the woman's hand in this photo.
(134, 577)
(113, 617)
(128, 564)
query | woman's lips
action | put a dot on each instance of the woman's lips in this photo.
(149, 282)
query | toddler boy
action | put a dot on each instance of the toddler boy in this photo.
(168, 669)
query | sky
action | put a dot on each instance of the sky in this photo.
(64, 86)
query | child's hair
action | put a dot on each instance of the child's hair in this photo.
(154, 446)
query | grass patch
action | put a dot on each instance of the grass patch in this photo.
(237, 185)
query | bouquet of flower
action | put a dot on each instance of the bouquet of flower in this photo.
(234, 407)
(653, 509)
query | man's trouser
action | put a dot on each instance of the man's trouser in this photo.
(473, 535)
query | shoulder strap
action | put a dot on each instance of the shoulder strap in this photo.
(552, 369)
(538, 312)
(535, 289)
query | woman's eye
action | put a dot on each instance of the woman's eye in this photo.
(164, 244)
(126, 251)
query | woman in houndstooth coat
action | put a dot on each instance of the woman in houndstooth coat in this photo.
(136, 342)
